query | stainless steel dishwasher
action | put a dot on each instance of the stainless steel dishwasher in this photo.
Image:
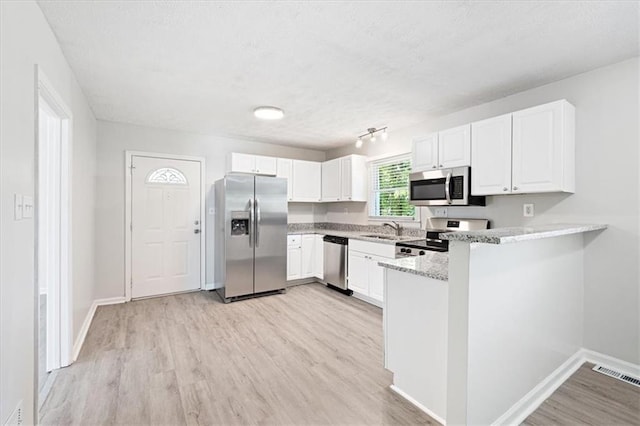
(335, 262)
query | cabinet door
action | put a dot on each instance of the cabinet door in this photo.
(284, 169)
(242, 163)
(425, 153)
(537, 149)
(358, 273)
(266, 165)
(491, 156)
(454, 147)
(318, 256)
(376, 278)
(307, 254)
(306, 181)
(346, 179)
(331, 181)
(294, 262)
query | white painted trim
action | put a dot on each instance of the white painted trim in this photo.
(543, 390)
(64, 300)
(611, 362)
(210, 286)
(536, 396)
(127, 240)
(417, 404)
(368, 299)
(82, 335)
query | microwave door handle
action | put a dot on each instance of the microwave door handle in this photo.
(447, 191)
(251, 220)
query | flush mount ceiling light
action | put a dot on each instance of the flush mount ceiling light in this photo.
(268, 113)
(371, 134)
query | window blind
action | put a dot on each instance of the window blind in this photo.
(389, 188)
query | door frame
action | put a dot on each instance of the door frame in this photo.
(128, 253)
(59, 316)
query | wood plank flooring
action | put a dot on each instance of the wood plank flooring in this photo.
(310, 356)
(589, 398)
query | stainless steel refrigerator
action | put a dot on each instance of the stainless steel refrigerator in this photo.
(251, 235)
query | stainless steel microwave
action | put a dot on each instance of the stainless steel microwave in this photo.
(445, 187)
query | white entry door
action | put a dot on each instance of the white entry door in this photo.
(165, 226)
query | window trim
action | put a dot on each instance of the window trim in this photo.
(387, 159)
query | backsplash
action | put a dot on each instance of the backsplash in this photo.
(350, 227)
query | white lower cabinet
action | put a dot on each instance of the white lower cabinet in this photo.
(365, 276)
(305, 256)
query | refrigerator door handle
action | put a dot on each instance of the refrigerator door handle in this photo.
(251, 220)
(257, 223)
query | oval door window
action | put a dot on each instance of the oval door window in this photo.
(167, 175)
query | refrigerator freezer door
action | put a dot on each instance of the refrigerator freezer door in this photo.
(270, 234)
(239, 193)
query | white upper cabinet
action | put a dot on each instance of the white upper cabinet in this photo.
(331, 180)
(285, 170)
(247, 163)
(491, 156)
(454, 147)
(425, 153)
(527, 151)
(544, 148)
(345, 179)
(306, 176)
(445, 149)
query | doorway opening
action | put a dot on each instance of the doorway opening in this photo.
(53, 235)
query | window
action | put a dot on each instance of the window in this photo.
(389, 188)
(167, 175)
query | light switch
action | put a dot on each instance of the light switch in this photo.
(27, 206)
(17, 207)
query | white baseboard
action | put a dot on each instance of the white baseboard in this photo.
(611, 362)
(417, 404)
(210, 286)
(368, 299)
(77, 346)
(543, 390)
(532, 400)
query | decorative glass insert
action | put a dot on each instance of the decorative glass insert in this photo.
(167, 175)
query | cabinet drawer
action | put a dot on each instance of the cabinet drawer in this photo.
(294, 241)
(378, 249)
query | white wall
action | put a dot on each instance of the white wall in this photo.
(27, 40)
(116, 138)
(606, 102)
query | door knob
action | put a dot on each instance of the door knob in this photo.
(196, 231)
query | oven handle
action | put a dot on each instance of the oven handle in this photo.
(447, 192)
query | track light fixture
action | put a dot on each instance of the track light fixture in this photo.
(371, 134)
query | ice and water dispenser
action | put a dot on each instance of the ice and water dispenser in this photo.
(239, 223)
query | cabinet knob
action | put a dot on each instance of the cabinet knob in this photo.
(515, 188)
(440, 165)
(504, 189)
(434, 166)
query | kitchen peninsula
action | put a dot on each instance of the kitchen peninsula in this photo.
(482, 335)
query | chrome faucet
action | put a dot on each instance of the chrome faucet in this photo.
(396, 227)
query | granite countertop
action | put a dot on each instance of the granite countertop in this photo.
(432, 265)
(355, 235)
(520, 233)
(356, 232)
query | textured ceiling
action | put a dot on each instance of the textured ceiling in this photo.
(336, 68)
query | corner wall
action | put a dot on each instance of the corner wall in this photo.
(607, 156)
(26, 40)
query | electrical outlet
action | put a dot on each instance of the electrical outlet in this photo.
(27, 207)
(440, 212)
(527, 210)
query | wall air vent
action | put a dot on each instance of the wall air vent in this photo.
(617, 375)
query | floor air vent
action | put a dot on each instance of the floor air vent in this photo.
(617, 375)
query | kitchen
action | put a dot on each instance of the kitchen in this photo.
(603, 92)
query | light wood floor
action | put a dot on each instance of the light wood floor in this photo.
(589, 398)
(310, 356)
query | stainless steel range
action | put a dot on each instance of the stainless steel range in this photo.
(434, 227)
